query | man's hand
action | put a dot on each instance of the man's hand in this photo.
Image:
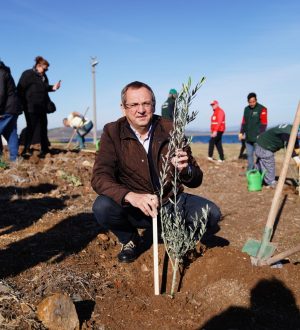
(180, 161)
(297, 160)
(241, 136)
(214, 134)
(147, 203)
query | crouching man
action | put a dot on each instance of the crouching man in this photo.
(127, 167)
(267, 144)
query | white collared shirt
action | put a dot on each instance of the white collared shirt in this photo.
(146, 142)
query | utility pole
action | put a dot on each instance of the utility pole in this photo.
(94, 62)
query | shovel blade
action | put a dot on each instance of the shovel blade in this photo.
(252, 247)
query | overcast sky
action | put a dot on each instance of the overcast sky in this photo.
(239, 46)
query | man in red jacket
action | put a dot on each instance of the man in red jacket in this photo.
(217, 128)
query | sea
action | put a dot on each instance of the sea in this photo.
(226, 138)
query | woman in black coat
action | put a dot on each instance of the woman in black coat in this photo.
(33, 88)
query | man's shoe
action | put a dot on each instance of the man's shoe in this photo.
(210, 159)
(129, 252)
(26, 153)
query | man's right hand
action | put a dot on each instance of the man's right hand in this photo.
(241, 136)
(147, 203)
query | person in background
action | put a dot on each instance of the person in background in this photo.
(10, 109)
(82, 126)
(167, 109)
(254, 122)
(33, 88)
(126, 172)
(267, 144)
(217, 128)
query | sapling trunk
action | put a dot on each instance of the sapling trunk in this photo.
(175, 270)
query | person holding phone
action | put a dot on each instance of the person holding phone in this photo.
(33, 89)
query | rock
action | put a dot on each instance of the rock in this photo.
(86, 163)
(2, 319)
(60, 173)
(4, 288)
(144, 268)
(103, 237)
(57, 312)
(18, 179)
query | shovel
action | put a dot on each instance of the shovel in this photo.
(262, 250)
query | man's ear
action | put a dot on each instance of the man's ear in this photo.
(122, 109)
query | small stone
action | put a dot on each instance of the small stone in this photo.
(26, 309)
(4, 288)
(144, 268)
(60, 173)
(57, 312)
(86, 163)
(2, 319)
(103, 237)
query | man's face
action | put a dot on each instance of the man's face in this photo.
(252, 102)
(138, 108)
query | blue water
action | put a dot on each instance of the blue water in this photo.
(225, 139)
(196, 138)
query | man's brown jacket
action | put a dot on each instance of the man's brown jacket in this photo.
(122, 164)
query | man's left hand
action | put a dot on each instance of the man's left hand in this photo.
(297, 160)
(180, 160)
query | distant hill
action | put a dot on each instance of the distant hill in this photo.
(62, 133)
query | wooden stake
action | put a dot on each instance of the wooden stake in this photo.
(298, 180)
(155, 256)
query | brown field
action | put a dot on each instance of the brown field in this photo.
(51, 243)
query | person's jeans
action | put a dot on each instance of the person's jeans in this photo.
(124, 221)
(82, 132)
(8, 128)
(250, 155)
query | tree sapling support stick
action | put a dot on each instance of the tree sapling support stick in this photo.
(155, 256)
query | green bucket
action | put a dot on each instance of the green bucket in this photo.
(97, 145)
(255, 180)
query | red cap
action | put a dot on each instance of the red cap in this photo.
(214, 102)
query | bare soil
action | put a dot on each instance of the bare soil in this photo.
(50, 243)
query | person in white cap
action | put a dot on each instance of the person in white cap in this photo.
(217, 128)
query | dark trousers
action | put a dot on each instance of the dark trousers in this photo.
(243, 148)
(124, 221)
(36, 126)
(216, 141)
